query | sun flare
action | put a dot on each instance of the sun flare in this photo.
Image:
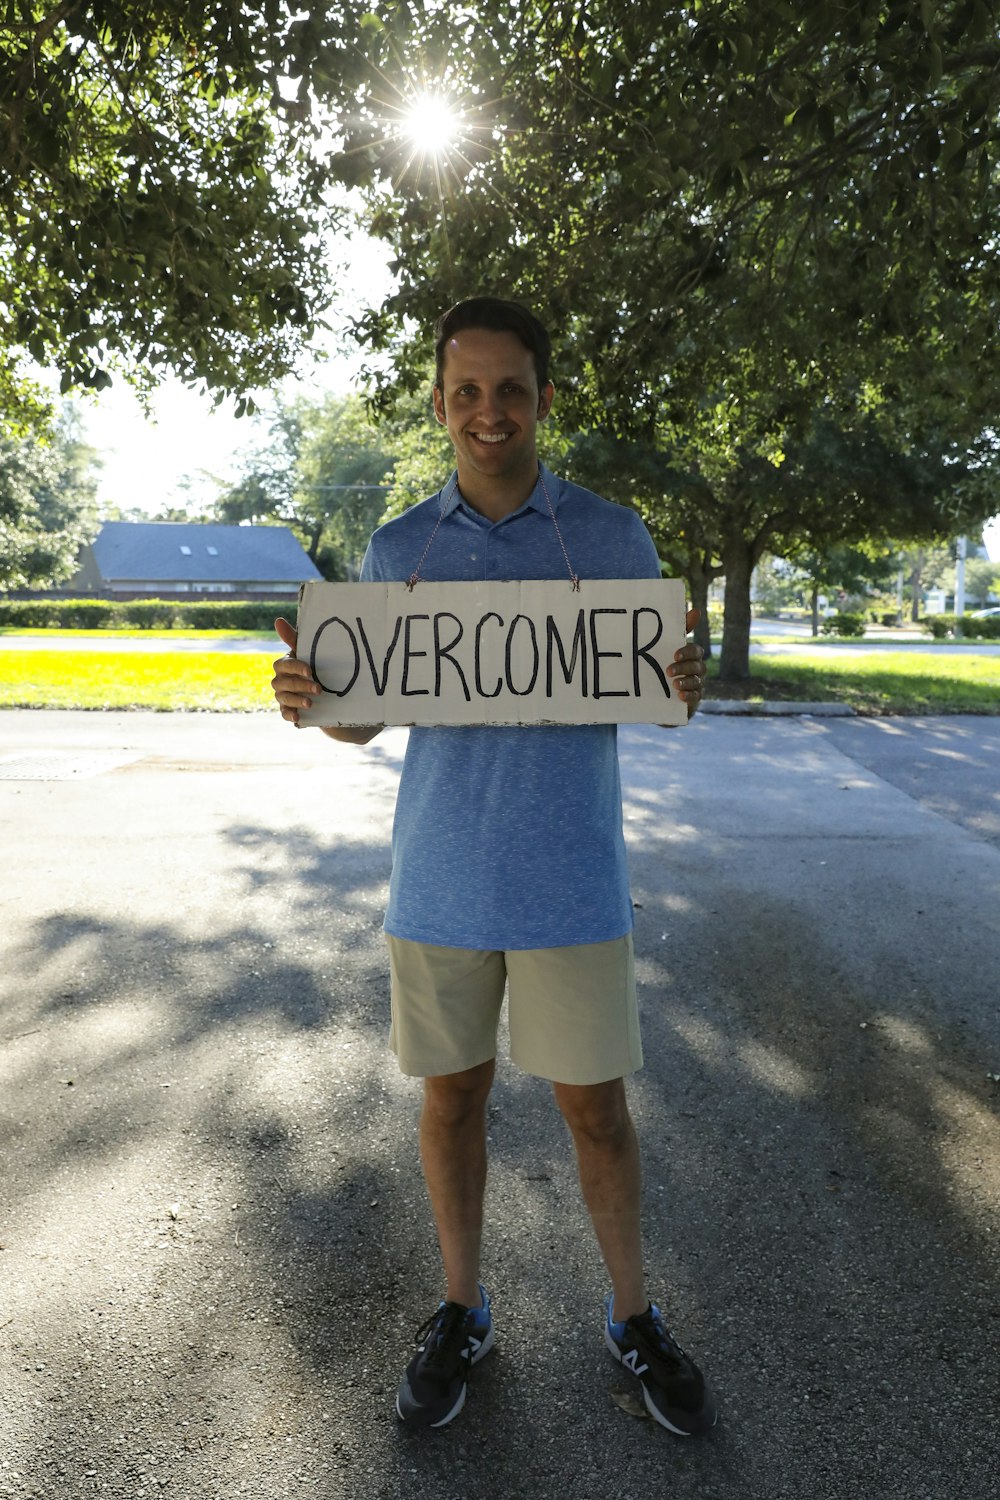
(431, 124)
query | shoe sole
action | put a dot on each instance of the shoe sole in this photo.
(653, 1410)
(484, 1348)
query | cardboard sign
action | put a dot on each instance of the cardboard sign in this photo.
(493, 653)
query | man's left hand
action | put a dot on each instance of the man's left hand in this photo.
(687, 670)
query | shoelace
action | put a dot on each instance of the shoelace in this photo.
(655, 1330)
(445, 1331)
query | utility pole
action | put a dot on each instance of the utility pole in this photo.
(960, 552)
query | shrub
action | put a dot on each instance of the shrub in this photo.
(844, 624)
(141, 614)
(986, 630)
(940, 626)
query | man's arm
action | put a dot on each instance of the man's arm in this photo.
(294, 687)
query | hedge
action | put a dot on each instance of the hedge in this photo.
(844, 624)
(943, 627)
(142, 614)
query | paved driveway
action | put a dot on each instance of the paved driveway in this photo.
(215, 1241)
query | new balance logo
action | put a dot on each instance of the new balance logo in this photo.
(631, 1360)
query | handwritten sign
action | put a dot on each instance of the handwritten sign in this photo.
(493, 653)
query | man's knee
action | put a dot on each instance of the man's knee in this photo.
(452, 1098)
(596, 1112)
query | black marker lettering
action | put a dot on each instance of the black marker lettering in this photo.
(342, 691)
(379, 685)
(521, 692)
(479, 681)
(644, 651)
(444, 652)
(579, 649)
(408, 653)
(610, 692)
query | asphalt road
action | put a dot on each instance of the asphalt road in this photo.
(215, 1247)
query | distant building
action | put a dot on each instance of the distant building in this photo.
(164, 557)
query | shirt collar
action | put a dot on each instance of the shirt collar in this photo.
(452, 496)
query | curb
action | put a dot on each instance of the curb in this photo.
(737, 707)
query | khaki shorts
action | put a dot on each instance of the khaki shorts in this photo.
(572, 1011)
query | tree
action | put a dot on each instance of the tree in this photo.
(48, 505)
(982, 579)
(856, 570)
(740, 220)
(162, 191)
(324, 469)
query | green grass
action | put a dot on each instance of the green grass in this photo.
(872, 682)
(162, 680)
(93, 634)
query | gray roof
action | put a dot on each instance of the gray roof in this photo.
(153, 550)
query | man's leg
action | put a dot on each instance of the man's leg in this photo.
(453, 1152)
(607, 1154)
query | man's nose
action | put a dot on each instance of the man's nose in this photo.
(491, 408)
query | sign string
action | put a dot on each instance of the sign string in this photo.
(415, 578)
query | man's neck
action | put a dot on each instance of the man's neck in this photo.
(495, 499)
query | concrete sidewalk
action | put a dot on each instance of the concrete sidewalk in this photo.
(215, 1246)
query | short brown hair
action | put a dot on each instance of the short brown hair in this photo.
(501, 317)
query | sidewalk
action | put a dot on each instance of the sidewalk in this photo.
(215, 1239)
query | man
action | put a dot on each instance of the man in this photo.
(509, 865)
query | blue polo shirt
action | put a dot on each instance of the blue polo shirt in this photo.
(510, 837)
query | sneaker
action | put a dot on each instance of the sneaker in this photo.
(453, 1339)
(673, 1387)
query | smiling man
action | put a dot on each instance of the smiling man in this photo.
(509, 869)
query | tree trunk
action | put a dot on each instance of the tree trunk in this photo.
(738, 563)
(915, 587)
(697, 582)
(815, 608)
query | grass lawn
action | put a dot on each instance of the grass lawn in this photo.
(146, 635)
(164, 680)
(873, 682)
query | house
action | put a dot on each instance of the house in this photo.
(129, 558)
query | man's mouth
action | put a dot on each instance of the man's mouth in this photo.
(491, 438)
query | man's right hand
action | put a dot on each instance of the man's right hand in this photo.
(293, 683)
(295, 688)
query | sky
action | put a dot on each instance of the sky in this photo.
(145, 463)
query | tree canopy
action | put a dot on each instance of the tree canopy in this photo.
(754, 228)
(48, 505)
(162, 193)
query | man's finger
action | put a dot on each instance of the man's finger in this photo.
(691, 619)
(287, 633)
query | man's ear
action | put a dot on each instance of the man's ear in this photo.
(545, 401)
(439, 406)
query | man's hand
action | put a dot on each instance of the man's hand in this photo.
(293, 683)
(295, 688)
(687, 670)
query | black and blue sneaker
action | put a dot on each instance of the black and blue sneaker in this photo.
(673, 1387)
(453, 1339)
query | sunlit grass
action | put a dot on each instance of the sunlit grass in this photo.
(93, 634)
(162, 680)
(872, 682)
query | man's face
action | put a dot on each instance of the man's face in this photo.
(491, 404)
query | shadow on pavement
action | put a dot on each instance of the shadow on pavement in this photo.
(215, 1237)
